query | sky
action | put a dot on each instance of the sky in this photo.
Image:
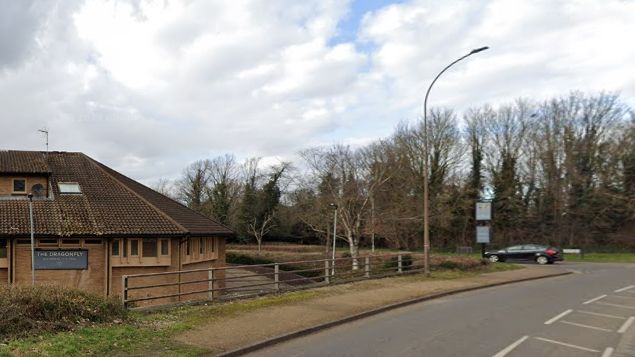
(147, 87)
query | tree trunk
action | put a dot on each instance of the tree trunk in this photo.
(354, 247)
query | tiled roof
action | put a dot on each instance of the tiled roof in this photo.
(23, 162)
(110, 203)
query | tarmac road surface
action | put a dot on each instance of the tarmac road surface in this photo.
(588, 313)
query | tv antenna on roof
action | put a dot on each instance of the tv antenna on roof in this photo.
(46, 133)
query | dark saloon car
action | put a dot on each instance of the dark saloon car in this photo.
(541, 254)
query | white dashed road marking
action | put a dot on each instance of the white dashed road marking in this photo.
(616, 305)
(602, 315)
(585, 326)
(511, 347)
(567, 344)
(594, 299)
(608, 352)
(625, 288)
(626, 325)
(556, 318)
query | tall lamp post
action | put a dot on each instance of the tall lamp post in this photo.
(30, 196)
(426, 214)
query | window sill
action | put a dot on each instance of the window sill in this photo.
(126, 265)
(141, 262)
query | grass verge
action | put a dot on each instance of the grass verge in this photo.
(602, 257)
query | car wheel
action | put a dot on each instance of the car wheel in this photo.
(494, 258)
(542, 260)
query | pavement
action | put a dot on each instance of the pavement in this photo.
(588, 313)
(335, 305)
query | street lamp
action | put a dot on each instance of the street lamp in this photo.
(30, 196)
(426, 218)
(334, 237)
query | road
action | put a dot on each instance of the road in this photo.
(583, 314)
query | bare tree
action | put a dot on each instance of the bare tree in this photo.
(192, 187)
(165, 187)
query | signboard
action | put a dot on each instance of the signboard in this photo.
(64, 259)
(483, 211)
(482, 234)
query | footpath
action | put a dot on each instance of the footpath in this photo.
(248, 331)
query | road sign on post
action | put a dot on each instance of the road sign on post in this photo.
(483, 211)
(482, 237)
(482, 234)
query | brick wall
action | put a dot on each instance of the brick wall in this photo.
(190, 281)
(6, 183)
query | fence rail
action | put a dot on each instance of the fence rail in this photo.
(233, 282)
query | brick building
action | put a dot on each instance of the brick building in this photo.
(92, 225)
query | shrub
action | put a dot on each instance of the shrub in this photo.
(457, 263)
(28, 311)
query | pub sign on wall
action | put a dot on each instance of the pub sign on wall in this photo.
(63, 259)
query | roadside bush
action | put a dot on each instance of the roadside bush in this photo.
(457, 263)
(28, 311)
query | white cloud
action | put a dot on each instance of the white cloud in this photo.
(148, 86)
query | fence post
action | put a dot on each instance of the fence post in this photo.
(276, 278)
(210, 284)
(326, 272)
(367, 266)
(399, 264)
(124, 290)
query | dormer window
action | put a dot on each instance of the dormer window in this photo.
(19, 185)
(69, 187)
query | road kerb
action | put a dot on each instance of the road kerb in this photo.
(307, 331)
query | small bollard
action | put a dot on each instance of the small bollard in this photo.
(367, 266)
(399, 264)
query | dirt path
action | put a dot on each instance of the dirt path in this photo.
(333, 303)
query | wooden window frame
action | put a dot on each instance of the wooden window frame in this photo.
(63, 244)
(13, 191)
(167, 243)
(42, 244)
(112, 245)
(129, 260)
(137, 241)
(4, 261)
(207, 244)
